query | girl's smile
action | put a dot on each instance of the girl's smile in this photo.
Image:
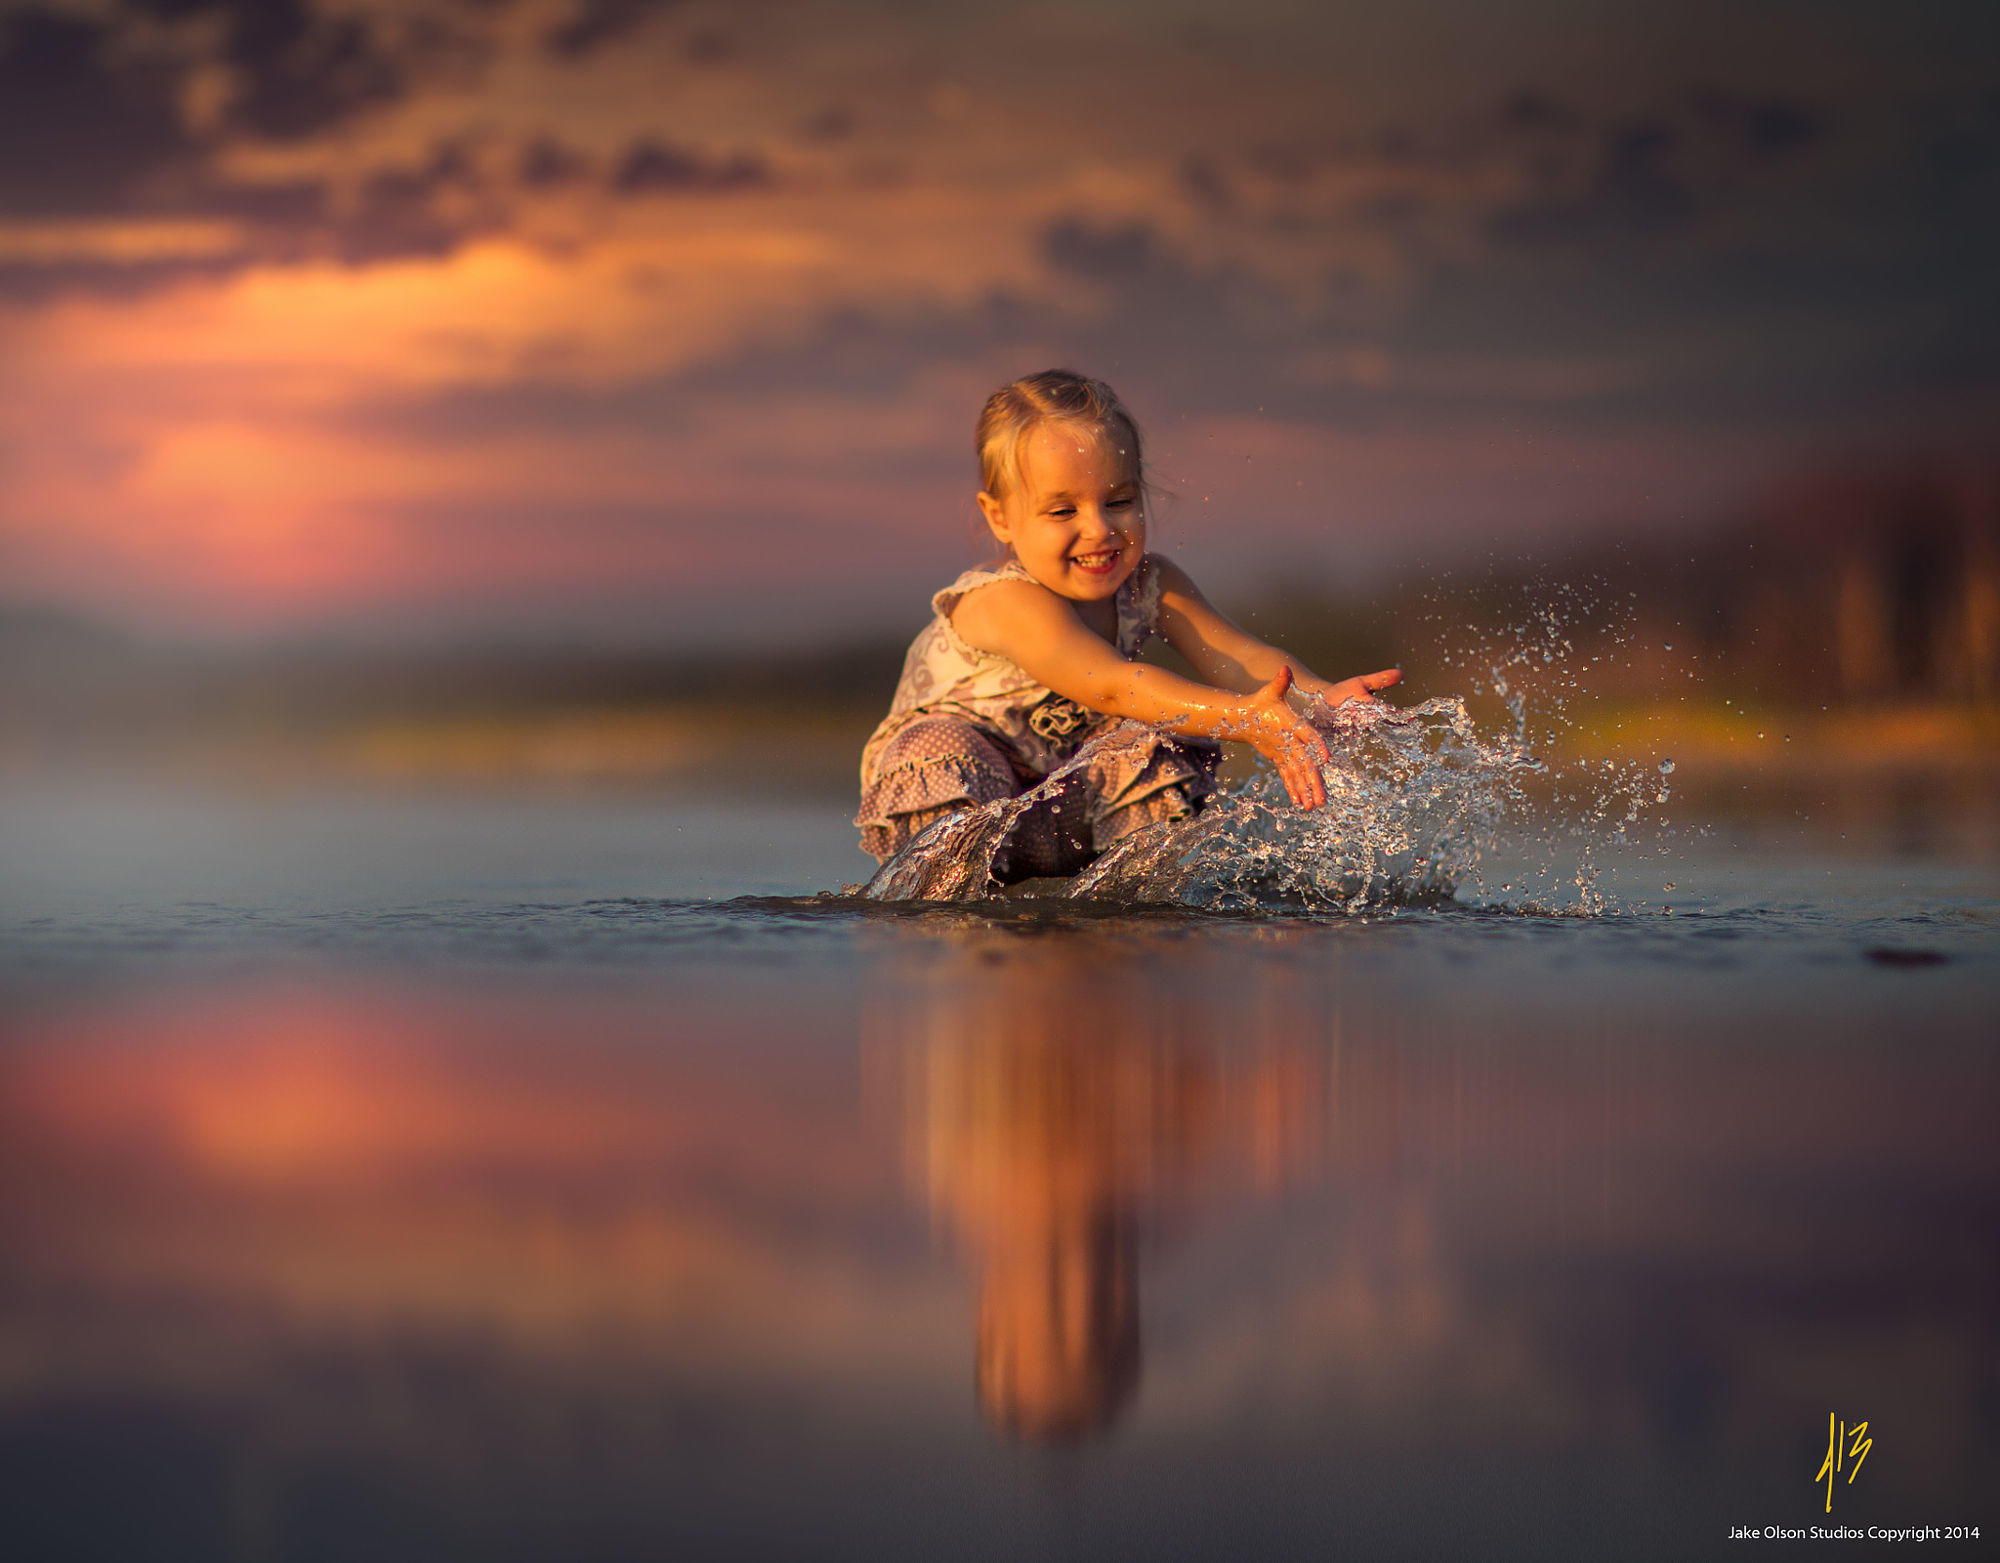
(1073, 517)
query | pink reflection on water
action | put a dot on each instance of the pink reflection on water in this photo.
(559, 1170)
(1626, 1230)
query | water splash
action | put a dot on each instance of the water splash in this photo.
(1413, 800)
(1416, 799)
(1419, 803)
(963, 858)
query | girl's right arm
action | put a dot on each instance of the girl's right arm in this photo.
(1040, 633)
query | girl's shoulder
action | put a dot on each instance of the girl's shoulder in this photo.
(943, 602)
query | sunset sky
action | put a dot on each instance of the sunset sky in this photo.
(670, 320)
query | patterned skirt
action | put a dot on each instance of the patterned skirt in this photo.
(1126, 775)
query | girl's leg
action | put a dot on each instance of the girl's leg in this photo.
(1132, 776)
(1052, 836)
(933, 768)
(1142, 776)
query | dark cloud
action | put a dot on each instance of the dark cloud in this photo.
(426, 211)
(1391, 209)
(1117, 253)
(651, 167)
(1773, 324)
(170, 10)
(36, 281)
(548, 161)
(1288, 161)
(710, 47)
(1762, 127)
(304, 72)
(1532, 111)
(591, 24)
(831, 124)
(291, 206)
(1205, 182)
(300, 70)
(1635, 195)
(78, 134)
(1193, 340)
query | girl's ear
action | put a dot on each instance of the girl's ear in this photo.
(996, 518)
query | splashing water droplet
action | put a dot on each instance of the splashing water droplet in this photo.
(1417, 800)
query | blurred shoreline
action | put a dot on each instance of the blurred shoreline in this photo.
(1846, 628)
(768, 746)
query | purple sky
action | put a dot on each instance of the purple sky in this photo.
(671, 320)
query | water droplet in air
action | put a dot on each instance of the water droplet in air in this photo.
(1668, 885)
(1666, 767)
(1669, 646)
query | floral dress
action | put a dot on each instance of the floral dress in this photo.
(968, 726)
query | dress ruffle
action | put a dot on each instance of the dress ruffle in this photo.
(1126, 770)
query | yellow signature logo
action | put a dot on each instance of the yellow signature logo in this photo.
(1852, 1442)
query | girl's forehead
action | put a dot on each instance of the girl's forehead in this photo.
(1060, 453)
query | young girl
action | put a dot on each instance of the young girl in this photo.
(1028, 666)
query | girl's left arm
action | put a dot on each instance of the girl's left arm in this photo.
(1229, 657)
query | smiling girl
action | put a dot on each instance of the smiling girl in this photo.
(1029, 665)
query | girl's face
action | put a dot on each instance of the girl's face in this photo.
(1074, 519)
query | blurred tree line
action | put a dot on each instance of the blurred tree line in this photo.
(1848, 588)
(1854, 588)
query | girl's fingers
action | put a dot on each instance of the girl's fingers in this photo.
(1301, 738)
(1297, 761)
(1303, 783)
(1383, 679)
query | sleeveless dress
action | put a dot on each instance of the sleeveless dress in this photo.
(968, 726)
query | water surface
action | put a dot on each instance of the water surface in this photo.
(432, 1177)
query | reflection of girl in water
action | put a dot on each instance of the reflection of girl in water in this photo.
(1061, 1104)
(1050, 1140)
(1059, 1324)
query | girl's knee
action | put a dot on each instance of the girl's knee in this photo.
(1181, 800)
(934, 768)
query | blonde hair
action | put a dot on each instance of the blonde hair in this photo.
(1054, 394)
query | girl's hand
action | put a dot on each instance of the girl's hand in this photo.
(1360, 687)
(1277, 732)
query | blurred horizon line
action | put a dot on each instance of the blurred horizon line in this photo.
(1837, 498)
